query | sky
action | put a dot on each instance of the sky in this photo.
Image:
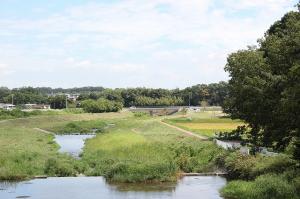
(127, 43)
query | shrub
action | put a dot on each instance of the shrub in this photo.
(61, 168)
(264, 187)
(239, 166)
(248, 167)
(133, 172)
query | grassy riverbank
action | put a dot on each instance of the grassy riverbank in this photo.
(146, 150)
(26, 152)
(140, 149)
(261, 177)
(133, 149)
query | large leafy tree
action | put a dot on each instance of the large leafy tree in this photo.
(264, 89)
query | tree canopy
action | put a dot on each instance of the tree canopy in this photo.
(264, 89)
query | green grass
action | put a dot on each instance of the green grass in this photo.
(135, 149)
(82, 127)
(205, 123)
(261, 177)
(267, 186)
(26, 152)
(145, 150)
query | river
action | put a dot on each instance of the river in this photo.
(204, 187)
(72, 144)
(200, 187)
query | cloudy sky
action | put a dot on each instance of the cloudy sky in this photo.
(127, 43)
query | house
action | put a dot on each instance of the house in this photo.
(7, 106)
(72, 97)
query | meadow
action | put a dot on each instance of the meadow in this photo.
(145, 150)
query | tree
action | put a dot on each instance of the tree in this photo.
(264, 89)
(101, 105)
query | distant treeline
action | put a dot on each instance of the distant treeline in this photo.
(209, 94)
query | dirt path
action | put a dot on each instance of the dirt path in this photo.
(44, 131)
(189, 133)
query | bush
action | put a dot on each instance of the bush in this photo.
(61, 168)
(239, 166)
(248, 167)
(264, 187)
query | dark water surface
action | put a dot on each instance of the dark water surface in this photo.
(203, 187)
(71, 144)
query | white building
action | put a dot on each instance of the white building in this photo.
(7, 106)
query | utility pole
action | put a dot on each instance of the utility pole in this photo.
(66, 101)
(190, 96)
(12, 99)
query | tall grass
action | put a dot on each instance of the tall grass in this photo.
(134, 150)
(263, 187)
(145, 150)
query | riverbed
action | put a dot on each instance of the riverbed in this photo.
(204, 187)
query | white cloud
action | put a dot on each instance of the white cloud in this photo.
(188, 38)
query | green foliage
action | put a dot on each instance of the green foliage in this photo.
(141, 114)
(264, 89)
(17, 113)
(236, 134)
(58, 102)
(60, 167)
(248, 167)
(163, 101)
(145, 150)
(264, 187)
(82, 127)
(101, 105)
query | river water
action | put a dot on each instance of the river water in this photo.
(204, 187)
(72, 144)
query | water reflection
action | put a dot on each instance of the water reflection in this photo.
(205, 187)
(72, 144)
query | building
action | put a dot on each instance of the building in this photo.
(72, 97)
(7, 106)
(37, 106)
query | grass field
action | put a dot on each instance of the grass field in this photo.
(145, 150)
(205, 123)
(26, 152)
(134, 149)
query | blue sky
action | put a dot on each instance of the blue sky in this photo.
(127, 43)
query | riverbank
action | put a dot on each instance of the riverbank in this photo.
(134, 149)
